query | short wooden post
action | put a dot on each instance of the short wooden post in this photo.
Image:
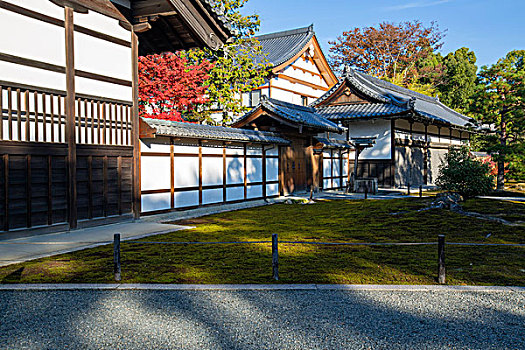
(441, 259)
(366, 190)
(420, 191)
(116, 256)
(408, 189)
(275, 256)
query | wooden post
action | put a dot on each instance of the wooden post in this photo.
(408, 189)
(366, 190)
(441, 259)
(135, 141)
(116, 256)
(70, 119)
(275, 256)
(420, 191)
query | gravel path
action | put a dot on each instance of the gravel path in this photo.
(318, 319)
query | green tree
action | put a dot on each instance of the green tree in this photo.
(390, 51)
(500, 102)
(239, 66)
(463, 174)
(459, 80)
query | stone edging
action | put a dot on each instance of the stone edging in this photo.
(235, 287)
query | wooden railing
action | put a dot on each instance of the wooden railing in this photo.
(33, 114)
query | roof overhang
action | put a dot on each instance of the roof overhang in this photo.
(171, 25)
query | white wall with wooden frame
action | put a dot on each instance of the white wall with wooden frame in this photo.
(66, 104)
(183, 174)
(335, 169)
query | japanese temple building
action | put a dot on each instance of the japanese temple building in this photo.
(69, 124)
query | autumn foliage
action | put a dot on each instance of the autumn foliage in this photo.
(170, 87)
(390, 51)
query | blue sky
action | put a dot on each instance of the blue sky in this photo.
(489, 27)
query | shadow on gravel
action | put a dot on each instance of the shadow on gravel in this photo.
(261, 320)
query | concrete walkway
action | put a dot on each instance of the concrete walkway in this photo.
(34, 247)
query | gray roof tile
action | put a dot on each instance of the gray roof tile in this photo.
(386, 93)
(210, 132)
(362, 110)
(282, 46)
(296, 114)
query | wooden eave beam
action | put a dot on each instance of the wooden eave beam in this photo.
(189, 14)
(146, 131)
(299, 81)
(321, 62)
(166, 26)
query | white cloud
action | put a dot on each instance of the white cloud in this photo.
(417, 4)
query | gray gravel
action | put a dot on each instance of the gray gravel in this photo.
(318, 319)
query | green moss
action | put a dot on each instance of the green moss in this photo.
(339, 221)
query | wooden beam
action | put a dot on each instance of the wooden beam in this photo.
(245, 171)
(200, 173)
(6, 192)
(135, 141)
(150, 8)
(70, 119)
(302, 82)
(224, 172)
(172, 174)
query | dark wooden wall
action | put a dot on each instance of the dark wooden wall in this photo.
(382, 169)
(34, 183)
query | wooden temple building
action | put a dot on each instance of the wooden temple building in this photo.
(69, 125)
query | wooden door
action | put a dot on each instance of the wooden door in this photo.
(295, 167)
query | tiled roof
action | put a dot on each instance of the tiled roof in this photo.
(282, 46)
(333, 143)
(218, 12)
(210, 132)
(361, 110)
(306, 116)
(404, 99)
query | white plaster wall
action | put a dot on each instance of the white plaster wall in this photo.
(211, 171)
(212, 196)
(156, 201)
(234, 170)
(235, 193)
(381, 129)
(272, 169)
(254, 169)
(32, 76)
(305, 76)
(45, 7)
(186, 199)
(102, 57)
(296, 87)
(96, 21)
(30, 38)
(186, 171)
(254, 191)
(272, 189)
(155, 173)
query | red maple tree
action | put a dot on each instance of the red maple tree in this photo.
(170, 86)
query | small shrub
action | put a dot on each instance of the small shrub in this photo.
(463, 174)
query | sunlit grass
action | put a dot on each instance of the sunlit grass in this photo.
(394, 220)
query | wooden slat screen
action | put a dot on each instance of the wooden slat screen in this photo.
(32, 114)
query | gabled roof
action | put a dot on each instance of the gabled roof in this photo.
(292, 114)
(282, 46)
(210, 132)
(386, 99)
